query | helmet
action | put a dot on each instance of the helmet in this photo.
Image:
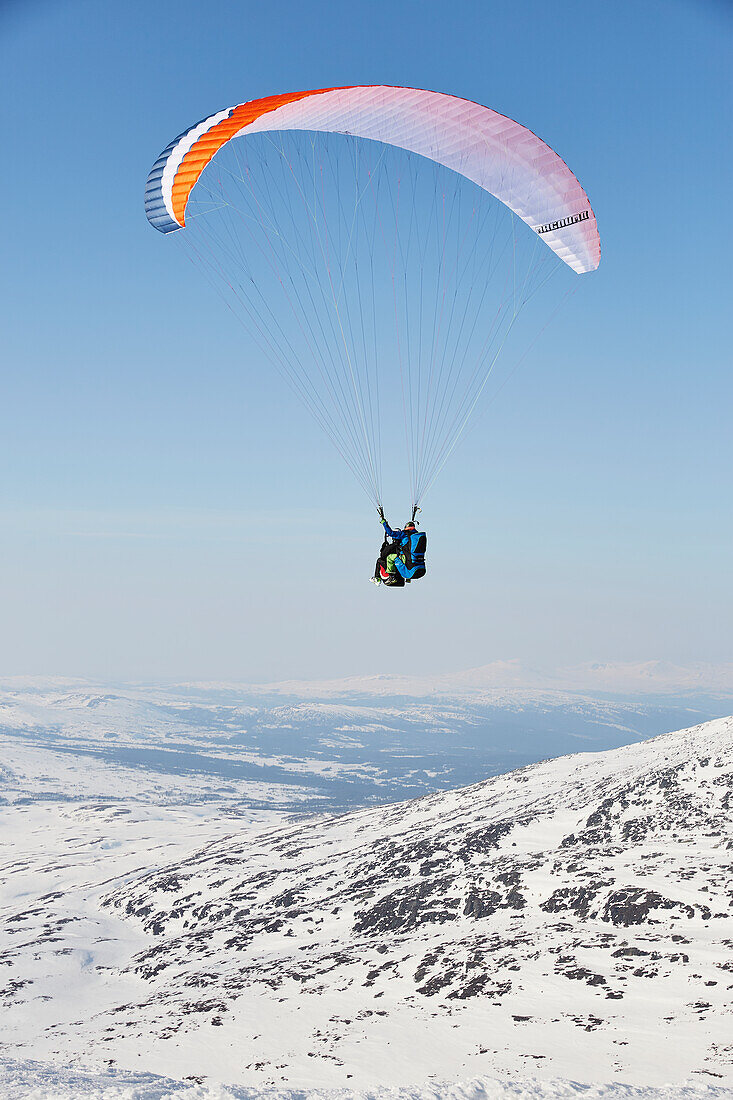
(410, 523)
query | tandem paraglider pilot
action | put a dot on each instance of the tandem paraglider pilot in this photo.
(402, 556)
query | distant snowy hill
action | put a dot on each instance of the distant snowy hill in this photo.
(329, 746)
(569, 921)
(510, 679)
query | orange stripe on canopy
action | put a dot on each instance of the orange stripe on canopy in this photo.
(199, 155)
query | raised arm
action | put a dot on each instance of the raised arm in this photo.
(390, 533)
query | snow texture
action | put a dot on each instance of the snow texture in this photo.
(36, 1081)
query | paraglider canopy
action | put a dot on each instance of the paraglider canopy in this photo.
(495, 152)
(378, 244)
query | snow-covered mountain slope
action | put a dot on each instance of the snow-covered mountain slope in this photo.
(569, 920)
(59, 952)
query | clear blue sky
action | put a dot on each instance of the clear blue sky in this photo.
(168, 511)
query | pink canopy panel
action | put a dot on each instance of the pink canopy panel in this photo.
(493, 151)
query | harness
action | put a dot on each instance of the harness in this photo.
(418, 555)
(415, 558)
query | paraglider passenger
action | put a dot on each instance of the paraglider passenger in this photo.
(384, 570)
